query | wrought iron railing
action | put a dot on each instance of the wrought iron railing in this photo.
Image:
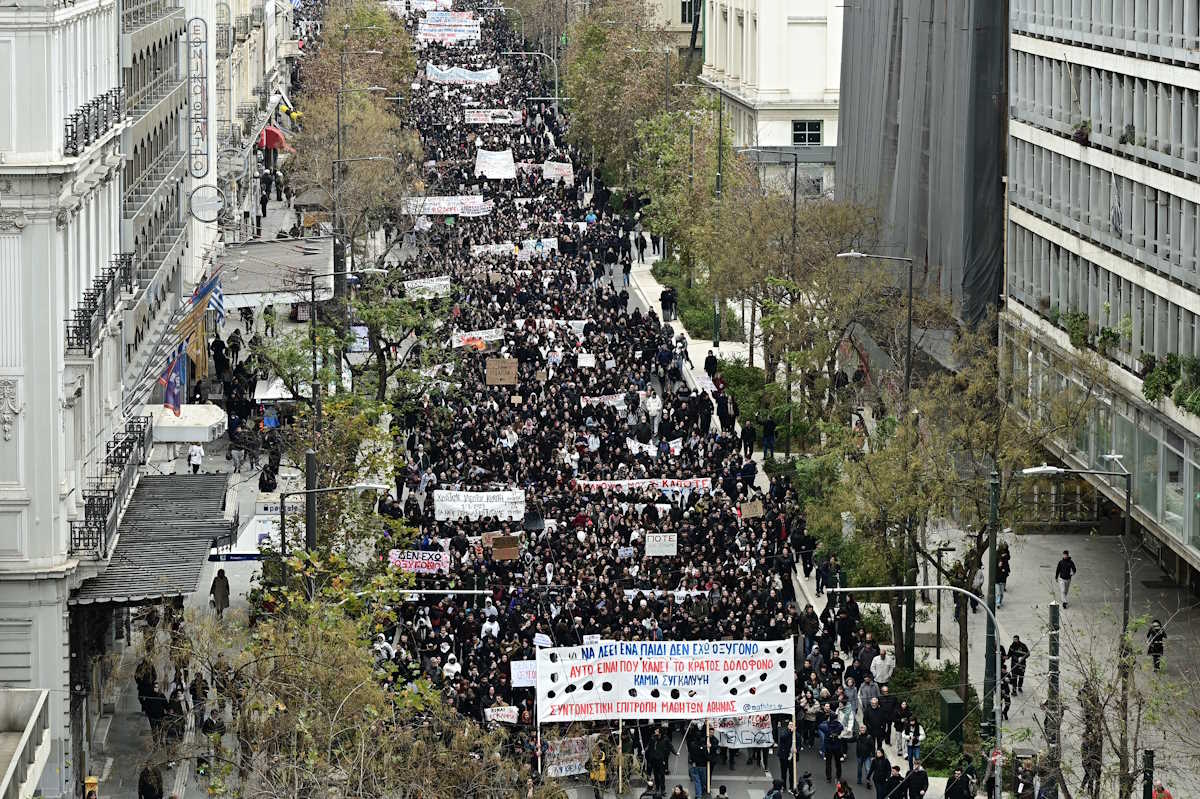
(92, 120)
(106, 495)
(136, 13)
(97, 302)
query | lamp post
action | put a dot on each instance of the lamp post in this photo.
(509, 10)
(310, 492)
(549, 58)
(312, 338)
(1126, 591)
(908, 338)
(996, 720)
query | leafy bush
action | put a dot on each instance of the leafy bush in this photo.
(922, 687)
(1187, 391)
(877, 625)
(1076, 325)
(1160, 379)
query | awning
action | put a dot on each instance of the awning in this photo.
(274, 390)
(257, 273)
(164, 540)
(272, 138)
(199, 423)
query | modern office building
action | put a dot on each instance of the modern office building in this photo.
(777, 67)
(1103, 243)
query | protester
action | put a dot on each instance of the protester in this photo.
(1063, 573)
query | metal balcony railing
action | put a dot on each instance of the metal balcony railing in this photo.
(144, 97)
(145, 184)
(92, 120)
(136, 13)
(98, 301)
(107, 494)
(156, 251)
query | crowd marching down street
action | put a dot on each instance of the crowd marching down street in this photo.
(596, 492)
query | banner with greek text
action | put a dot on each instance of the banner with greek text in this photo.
(429, 5)
(419, 561)
(632, 593)
(553, 170)
(491, 116)
(438, 74)
(472, 336)
(567, 756)
(500, 248)
(448, 31)
(660, 483)
(495, 164)
(523, 673)
(744, 732)
(450, 505)
(503, 714)
(459, 205)
(664, 680)
(636, 446)
(428, 286)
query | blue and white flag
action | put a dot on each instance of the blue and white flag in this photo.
(211, 293)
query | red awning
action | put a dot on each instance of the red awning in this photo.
(272, 138)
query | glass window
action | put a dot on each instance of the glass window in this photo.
(687, 11)
(1104, 440)
(1173, 496)
(806, 132)
(1146, 475)
(1193, 494)
(1123, 445)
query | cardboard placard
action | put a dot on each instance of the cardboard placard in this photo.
(752, 510)
(506, 547)
(494, 278)
(540, 375)
(501, 371)
(585, 360)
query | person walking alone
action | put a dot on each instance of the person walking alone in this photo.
(1156, 638)
(1063, 574)
(195, 457)
(219, 591)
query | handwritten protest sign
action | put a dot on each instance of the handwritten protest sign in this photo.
(664, 680)
(504, 714)
(567, 756)
(419, 561)
(744, 732)
(523, 673)
(660, 483)
(451, 505)
(752, 510)
(501, 371)
(662, 545)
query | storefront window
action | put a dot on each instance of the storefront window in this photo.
(1174, 509)
(1146, 476)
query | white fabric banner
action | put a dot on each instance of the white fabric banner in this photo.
(502, 248)
(438, 74)
(631, 593)
(744, 732)
(491, 334)
(449, 505)
(523, 673)
(503, 714)
(428, 286)
(651, 449)
(448, 31)
(430, 5)
(660, 483)
(491, 116)
(665, 680)
(614, 400)
(553, 170)
(495, 164)
(460, 205)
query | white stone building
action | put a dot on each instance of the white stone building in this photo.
(1103, 237)
(777, 66)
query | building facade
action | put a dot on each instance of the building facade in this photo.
(1103, 239)
(777, 67)
(678, 18)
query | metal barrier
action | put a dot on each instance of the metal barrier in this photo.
(106, 496)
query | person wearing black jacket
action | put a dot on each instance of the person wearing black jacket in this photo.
(892, 787)
(878, 772)
(864, 749)
(1003, 570)
(1018, 654)
(786, 739)
(835, 752)
(917, 781)
(959, 786)
(658, 755)
(1063, 572)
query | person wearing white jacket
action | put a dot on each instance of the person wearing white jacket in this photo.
(883, 666)
(654, 410)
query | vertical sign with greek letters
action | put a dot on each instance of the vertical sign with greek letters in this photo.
(197, 97)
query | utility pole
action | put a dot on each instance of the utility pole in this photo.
(310, 510)
(1148, 774)
(990, 676)
(720, 163)
(1053, 702)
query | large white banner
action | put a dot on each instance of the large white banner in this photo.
(636, 446)
(744, 732)
(428, 286)
(491, 116)
(472, 336)
(660, 483)
(454, 205)
(452, 30)
(501, 248)
(430, 5)
(553, 170)
(496, 164)
(438, 74)
(450, 505)
(665, 680)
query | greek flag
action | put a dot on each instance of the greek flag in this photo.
(211, 289)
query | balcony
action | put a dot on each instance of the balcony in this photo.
(107, 494)
(159, 252)
(83, 328)
(153, 104)
(24, 740)
(139, 197)
(92, 120)
(145, 23)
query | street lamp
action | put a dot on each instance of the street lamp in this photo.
(1127, 581)
(996, 709)
(509, 10)
(310, 492)
(854, 254)
(312, 336)
(549, 58)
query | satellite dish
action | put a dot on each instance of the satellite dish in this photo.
(205, 203)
